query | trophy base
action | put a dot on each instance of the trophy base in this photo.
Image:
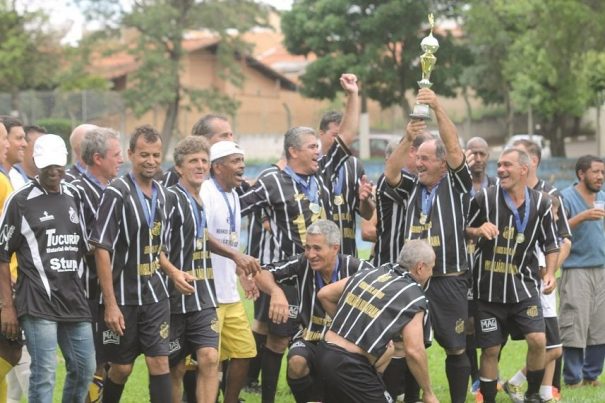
(421, 111)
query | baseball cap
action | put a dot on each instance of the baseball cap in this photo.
(49, 149)
(224, 148)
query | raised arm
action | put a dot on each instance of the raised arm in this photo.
(398, 158)
(350, 119)
(447, 129)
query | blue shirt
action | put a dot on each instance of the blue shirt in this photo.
(588, 246)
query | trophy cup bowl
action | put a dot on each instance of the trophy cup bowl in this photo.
(429, 46)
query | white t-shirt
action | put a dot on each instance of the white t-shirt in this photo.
(548, 301)
(219, 226)
(17, 180)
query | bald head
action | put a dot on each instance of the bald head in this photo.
(75, 140)
(477, 142)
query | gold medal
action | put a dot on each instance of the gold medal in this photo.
(315, 209)
(234, 237)
(520, 238)
(199, 244)
(423, 218)
(338, 200)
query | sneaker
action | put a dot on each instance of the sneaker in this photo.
(551, 400)
(591, 382)
(556, 393)
(514, 392)
(253, 387)
(478, 397)
(95, 390)
(533, 398)
(475, 387)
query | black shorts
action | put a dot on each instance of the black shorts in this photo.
(192, 331)
(261, 313)
(97, 335)
(496, 321)
(147, 331)
(347, 377)
(551, 328)
(308, 350)
(448, 309)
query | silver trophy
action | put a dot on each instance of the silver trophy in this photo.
(429, 46)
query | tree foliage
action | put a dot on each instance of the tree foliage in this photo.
(377, 40)
(161, 26)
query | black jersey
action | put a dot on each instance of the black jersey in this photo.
(443, 220)
(170, 177)
(506, 268)
(261, 244)
(290, 210)
(91, 191)
(187, 243)
(296, 271)
(375, 306)
(390, 220)
(563, 228)
(345, 202)
(46, 231)
(121, 227)
(74, 172)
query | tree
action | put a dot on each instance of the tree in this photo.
(161, 26)
(377, 40)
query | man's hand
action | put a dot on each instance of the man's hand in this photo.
(10, 324)
(182, 281)
(249, 287)
(279, 309)
(470, 158)
(488, 230)
(114, 319)
(365, 188)
(549, 283)
(427, 97)
(414, 128)
(348, 82)
(594, 214)
(246, 264)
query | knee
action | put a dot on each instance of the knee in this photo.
(207, 357)
(490, 353)
(277, 344)
(454, 351)
(536, 342)
(119, 373)
(297, 367)
(157, 365)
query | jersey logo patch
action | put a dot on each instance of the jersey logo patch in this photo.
(174, 345)
(459, 326)
(298, 344)
(47, 217)
(293, 311)
(532, 311)
(6, 234)
(111, 337)
(73, 216)
(489, 325)
(214, 325)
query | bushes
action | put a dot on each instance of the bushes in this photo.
(58, 126)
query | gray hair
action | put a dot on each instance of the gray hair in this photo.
(96, 141)
(326, 228)
(190, 145)
(293, 138)
(204, 126)
(522, 156)
(413, 252)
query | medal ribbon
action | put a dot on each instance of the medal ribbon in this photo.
(520, 226)
(231, 211)
(335, 272)
(310, 187)
(149, 212)
(198, 213)
(94, 180)
(21, 172)
(427, 199)
(339, 181)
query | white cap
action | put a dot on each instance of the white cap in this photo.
(49, 149)
(223, 149)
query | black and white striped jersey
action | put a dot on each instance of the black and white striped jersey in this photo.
(289, 209)
(444, 221)
(170, 177)
(74, 172)
(46, 231)
(563, 228)
(296, 271)
(121, 227)
(390, 220)
(506, 268)
(345, 202)
(375, 306)
(187, 243)
(91, 191)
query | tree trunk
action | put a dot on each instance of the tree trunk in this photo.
(554, 131)
(469, 114)
(172, 113)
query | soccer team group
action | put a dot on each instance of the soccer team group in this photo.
(108, 268)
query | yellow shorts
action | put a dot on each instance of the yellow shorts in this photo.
(235, 335)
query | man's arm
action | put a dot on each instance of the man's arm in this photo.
(447, 129)
(586, 215)
(415, 352)
(180, 279)
(245, 263)
(113, 315)
(279, 309)
(330, 294)
(350, 119)
(366, 198)
(368, 228)
(549, 281)
(398, 158)
(8, 314)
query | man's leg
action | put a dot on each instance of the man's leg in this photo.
(41, 339)
(77, 346)
(302, 377)
(536, 350)
(488, 373)
(236, 378)
(177, 371)
(593, 363)
(457, 369)
(10, 354)
(573, 362)
(207, 374)
(271, 365)
(160, 386)
(114, 383)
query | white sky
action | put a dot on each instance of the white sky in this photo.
(64, 13)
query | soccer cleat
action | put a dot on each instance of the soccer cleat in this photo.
(556, 393)
(533, 398)
(475, 386)
(478, 397)
(514, 392)
(551, 400)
